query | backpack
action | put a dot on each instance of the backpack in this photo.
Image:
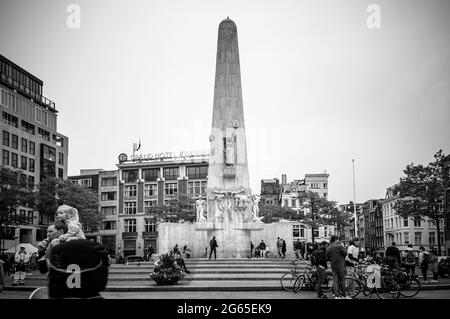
(315, 259)
(410, 258)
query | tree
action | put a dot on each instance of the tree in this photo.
(421, 192)
(274, 213)
(339, 219)
(318, 210)
(14, 193)
(53, 192)
(180, 209)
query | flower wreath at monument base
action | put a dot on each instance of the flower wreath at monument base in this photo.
(167, 271)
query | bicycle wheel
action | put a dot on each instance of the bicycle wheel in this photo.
(410, 288)
(352, 286)
(389, 289)
(287, 281)
(328, 283)
(299, 283)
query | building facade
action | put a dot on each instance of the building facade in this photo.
(154, 180)
(348, 233)
(373, 226)
(270, 192)
(30, 144)
(405, 231)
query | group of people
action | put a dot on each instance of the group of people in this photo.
(75, 267)
(427, 260)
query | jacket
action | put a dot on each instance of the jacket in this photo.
(336, 255)
(320, 257)
(23, 257)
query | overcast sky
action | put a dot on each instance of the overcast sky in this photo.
(319, 86)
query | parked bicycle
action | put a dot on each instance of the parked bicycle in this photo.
(381, 285)
(408, 283)
(288, 279)
(309, 279)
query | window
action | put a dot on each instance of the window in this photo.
(109, 181)
(130, 226)
(6, 138)
(24, 145)
(15, 141)
(130, 208)
(406, 238)
(27, 127)
(325, 185)
(44, 134)
(203, 187)
(85, 182)
(130, 191)
(148, 204)
(109, 225)
(150, 226)
(405, 222)
(14, 160)
(60, 158)
(5, 157)
(295, 230)
(432, 238)
(32, 148)
(150, 175)
(197, 172)
(109, 210)
(41, 116)
(8, 100)
(108, 196)
(130, 176)
(150, 190)
(171, 188)
(314, 185)
(417, 238)
(60, 173)
(171, 173)
(325, 195)
(197, 187)
(417, 223)
(286, 202)
(30, 181)
(23, 162)
(441, 238)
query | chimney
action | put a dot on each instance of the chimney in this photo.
(283, 179)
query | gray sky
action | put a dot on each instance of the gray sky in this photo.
(319, 86)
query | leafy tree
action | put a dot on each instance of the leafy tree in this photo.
(422, 190)
(274, 213)
(341, 220)
(180, 209)
(53, 192)
(14, 193)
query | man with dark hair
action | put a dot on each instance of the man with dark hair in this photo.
(319, 259)
(77, 269)
(336, 255)
(213, 245)
(392, 256)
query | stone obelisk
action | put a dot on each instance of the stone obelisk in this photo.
(232, 211)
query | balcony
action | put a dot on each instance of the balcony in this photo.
(152, 234)
(129, 234)
(25, 91)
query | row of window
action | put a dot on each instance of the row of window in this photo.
(405, 238)
(317, 185)
(21, 77)
(169, 173)
(25, 162)
(130, 225)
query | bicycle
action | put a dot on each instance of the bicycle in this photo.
(381, 285)
(408, 283)
(287, 280)
(309, 279)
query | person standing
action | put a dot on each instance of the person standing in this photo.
(149, 252)
(283, 249)
(393, 257)
(251, 249)
(262, 249)
(423, 262)
(433, 265)
(21, 258)
(213, 245)
(336, 254)
(319, 259)
(410, 260)
(351, 260)
(279, 247)
(176, 249)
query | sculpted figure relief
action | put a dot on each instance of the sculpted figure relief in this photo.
(255, 208)
(200, 205)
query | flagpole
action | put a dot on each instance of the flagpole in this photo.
(354, 200)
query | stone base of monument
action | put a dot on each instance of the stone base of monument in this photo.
(250, 226)
(208, 226)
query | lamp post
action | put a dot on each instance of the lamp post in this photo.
(354, 201)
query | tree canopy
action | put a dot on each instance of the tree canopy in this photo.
(53, 192)
(421, 191)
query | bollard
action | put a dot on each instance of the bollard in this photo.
(2, 276)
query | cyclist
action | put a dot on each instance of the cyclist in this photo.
(319, 259)
(351, 260)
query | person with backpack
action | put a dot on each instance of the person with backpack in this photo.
(410, 260)
(279, 247)
(319, 259)
(213, 245)
(433, 265)
(392, 256)
(423, 262)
